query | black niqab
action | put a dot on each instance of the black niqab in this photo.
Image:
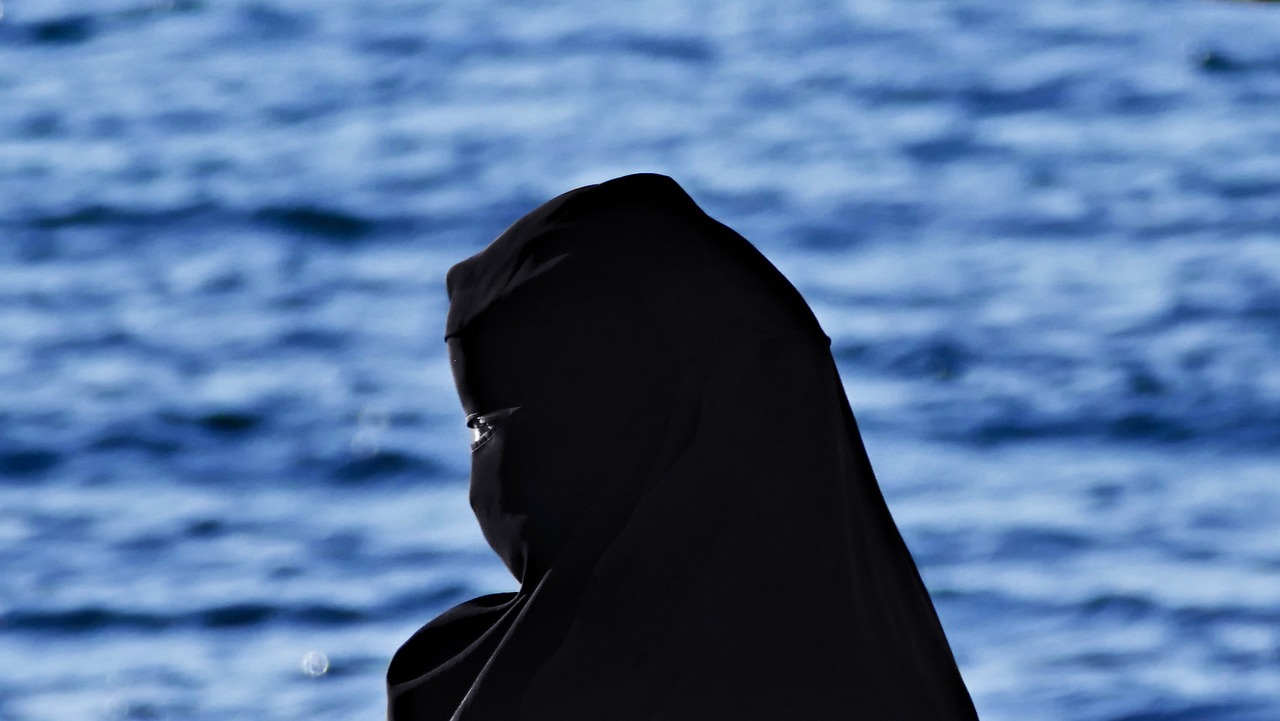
(666, 461)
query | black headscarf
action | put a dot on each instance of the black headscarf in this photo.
(666, 461)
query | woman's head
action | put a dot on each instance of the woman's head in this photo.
(568, 335)
(561, 381)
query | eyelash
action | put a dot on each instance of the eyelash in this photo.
(481, 430)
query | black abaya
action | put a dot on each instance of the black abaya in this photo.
(666, 461)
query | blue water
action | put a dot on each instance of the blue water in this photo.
(1044, 236)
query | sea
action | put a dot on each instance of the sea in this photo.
(1044, 236)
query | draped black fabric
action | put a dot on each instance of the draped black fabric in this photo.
(666, 461)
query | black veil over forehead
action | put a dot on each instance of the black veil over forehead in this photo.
(668, 465)
(698, 279)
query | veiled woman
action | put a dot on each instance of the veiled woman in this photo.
(665, 460)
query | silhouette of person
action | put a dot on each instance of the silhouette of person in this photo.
(665, 459)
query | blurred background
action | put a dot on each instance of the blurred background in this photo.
(1044, 236)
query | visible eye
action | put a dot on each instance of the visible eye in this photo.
(482, 425)
(481, 429)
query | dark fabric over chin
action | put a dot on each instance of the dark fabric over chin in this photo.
(682, 492)
(432, 671)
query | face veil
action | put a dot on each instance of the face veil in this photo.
(666, 462)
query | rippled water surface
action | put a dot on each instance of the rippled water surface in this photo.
(1044, 237)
